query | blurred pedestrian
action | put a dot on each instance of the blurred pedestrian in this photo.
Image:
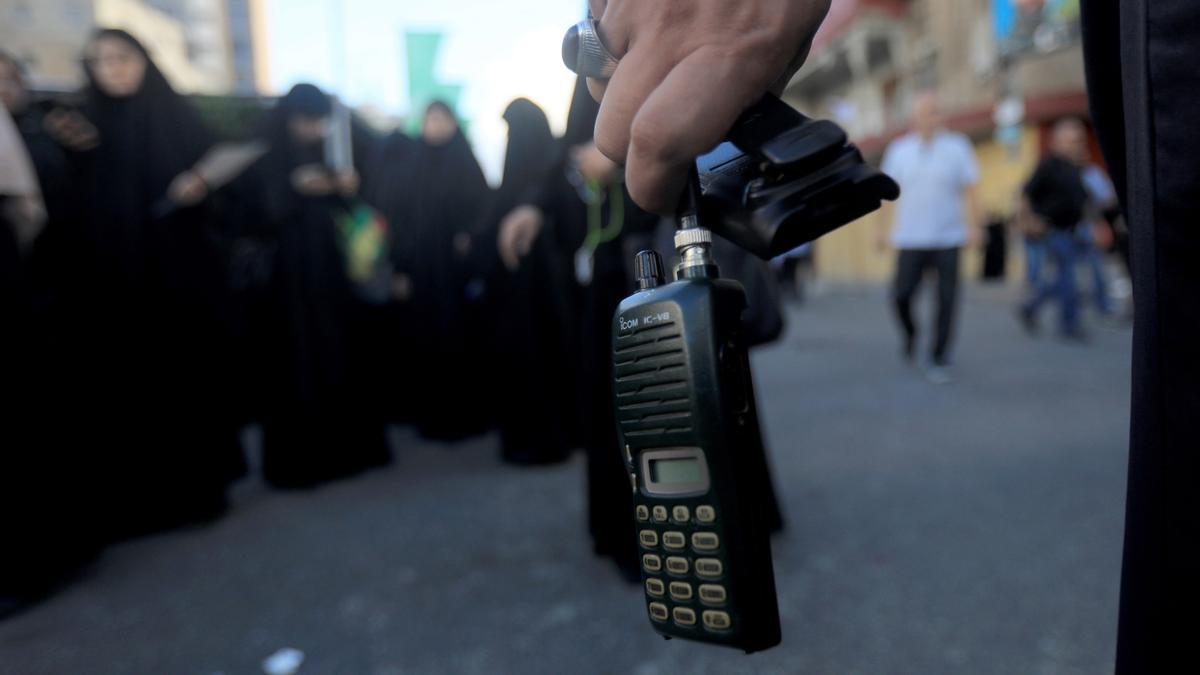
(937, 214)
(1096, 233)
(433, 192)
(151, 348)
(531, 302)
(1056, 198)
(306, 333)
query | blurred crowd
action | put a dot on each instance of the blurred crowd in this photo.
(161, 291)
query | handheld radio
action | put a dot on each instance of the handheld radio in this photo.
(684, 398)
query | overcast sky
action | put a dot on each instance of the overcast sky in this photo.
(498, 49)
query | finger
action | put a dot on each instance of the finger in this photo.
(640, 72)
(613, 29)
(687, 115)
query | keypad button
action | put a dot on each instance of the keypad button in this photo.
(705, 541)
(706, 514)
(674, 540)
(681, 591)
(711, 594)
(680, 514)
(651, 563)
(658, 611)
(649, 538)
(660, 514)
(677, 565)
(655, 587)
(643, 513)
(716, 620)
(709, 568)
(684, 616)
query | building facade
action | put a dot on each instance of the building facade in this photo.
(202, 46)
(1004, 70)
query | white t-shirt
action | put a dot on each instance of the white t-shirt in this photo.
(932, 176)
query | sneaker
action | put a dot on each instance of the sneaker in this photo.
(938, 375)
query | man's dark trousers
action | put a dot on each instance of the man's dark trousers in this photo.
(1143, 67)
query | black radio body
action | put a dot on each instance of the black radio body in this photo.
(689, 430)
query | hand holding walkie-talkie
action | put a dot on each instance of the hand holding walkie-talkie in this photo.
(684, 399)
(682, 389)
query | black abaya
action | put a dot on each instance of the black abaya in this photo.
(306, 326)
(430, 194)
(532, 318)
(150, 294)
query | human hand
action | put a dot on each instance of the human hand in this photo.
(519, 229)
(312, 180)
(592, 163)
(71, 129)
(402, 287)
(687, 70)
(188, 189)
(348, 182)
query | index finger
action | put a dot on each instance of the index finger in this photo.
(685, 116)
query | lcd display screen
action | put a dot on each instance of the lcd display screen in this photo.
(680, 471)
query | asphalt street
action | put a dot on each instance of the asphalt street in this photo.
(973, 527)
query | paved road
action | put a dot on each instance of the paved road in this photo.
(969, 528)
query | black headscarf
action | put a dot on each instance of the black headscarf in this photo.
(531, 153)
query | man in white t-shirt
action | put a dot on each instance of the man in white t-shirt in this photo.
(936, 215)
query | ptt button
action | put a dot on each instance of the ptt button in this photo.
(716, 620)
(705, 541)
(706, 514)
(710, 594)
(710, 568)
(655, 587)
(649, 538)
(652, 563)
(660, 514)
(681, 591)
(658, 611)
(643, 513)
(677, 565)
(633, 482)
(680, 514)
(684, 616)
(675, 540)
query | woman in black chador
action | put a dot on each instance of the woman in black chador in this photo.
(306, 324)
(151, 390)
(531, 303)
(432, 192)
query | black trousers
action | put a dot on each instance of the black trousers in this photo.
(1141, 58)
(911, 266)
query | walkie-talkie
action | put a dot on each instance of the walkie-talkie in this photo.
(684, 398)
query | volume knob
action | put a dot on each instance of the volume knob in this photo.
(648, 269)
